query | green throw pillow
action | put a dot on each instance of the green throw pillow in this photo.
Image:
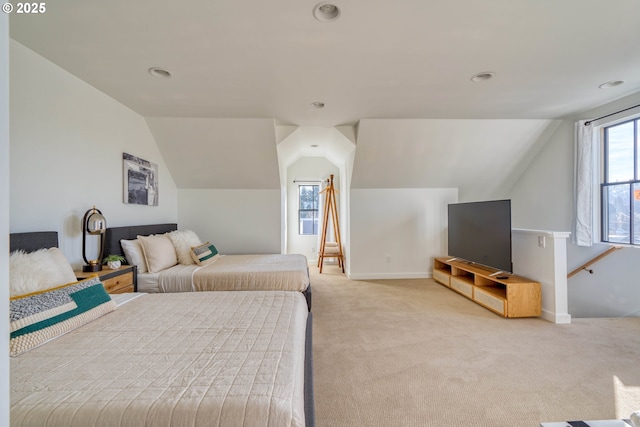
(204, 254)
(42, 316)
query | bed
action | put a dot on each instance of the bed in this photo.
(288, 272)
(212, 358)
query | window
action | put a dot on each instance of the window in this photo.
(308, 209)
(620, 201)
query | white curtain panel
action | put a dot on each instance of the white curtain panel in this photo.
(583, 184)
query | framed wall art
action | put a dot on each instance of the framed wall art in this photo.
(140, 181)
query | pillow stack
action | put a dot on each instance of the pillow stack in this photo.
(161, 251)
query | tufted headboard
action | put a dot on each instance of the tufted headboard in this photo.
(32, 241)
(115, 234)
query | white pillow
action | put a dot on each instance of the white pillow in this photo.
(158, 252)
(38, 271)
(133, 253)
(183, 241)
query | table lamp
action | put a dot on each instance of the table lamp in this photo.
(93, 223)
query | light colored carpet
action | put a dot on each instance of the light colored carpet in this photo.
(413, 353)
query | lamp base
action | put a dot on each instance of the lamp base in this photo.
(92, 268)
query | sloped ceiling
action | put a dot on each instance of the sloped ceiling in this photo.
(474, 155)
(218, 153)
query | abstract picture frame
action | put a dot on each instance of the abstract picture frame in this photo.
(140, 179)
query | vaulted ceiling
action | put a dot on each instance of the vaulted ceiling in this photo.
(411, 59)
(379, 59)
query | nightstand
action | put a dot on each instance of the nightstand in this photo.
(121, 280)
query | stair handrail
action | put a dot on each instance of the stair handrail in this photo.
(593, 261)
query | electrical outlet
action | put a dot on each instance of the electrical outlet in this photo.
(542, 241)
(388, 259)
(313, 250)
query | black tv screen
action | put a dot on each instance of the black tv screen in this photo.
(480, 232)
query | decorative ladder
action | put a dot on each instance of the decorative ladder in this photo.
(330, 249)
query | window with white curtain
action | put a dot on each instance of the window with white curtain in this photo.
(620, 185)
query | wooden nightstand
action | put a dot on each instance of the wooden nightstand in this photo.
(124, 279)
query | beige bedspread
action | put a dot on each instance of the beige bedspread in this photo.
(281, 272)
(220, 358)
(178, 278)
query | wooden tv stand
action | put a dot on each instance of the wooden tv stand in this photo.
(514, 296)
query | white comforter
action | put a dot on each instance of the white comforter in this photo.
(281, 272)
(219, 358)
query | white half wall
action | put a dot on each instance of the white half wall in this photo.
(235, 221)
(542, 256)
(396, 233)
(4, 219)
(67, 140)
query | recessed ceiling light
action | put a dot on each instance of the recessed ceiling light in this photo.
(480, 77)
(324, 11)
(612, 83)
(317, 104)
(159, 72)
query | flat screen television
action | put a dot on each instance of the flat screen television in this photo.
(480, 232)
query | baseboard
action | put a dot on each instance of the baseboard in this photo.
(388, 276)
(560, 319)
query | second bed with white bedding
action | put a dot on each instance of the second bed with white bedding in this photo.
(255, 272)
(270, 272)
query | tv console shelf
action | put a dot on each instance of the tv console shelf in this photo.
(513, 296)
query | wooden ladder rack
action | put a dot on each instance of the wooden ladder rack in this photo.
(330, 249)
(593, 261)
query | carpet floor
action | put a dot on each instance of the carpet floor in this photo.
(414, 353)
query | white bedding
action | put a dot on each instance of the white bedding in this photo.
(286, 272)
(216, 358)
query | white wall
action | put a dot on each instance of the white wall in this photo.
(235, 221)
(611, 291)
(67, 140)
(396, 233)
(345, 207)
(4, 219)
(543, 199)
(544, 261)
(306, 168)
